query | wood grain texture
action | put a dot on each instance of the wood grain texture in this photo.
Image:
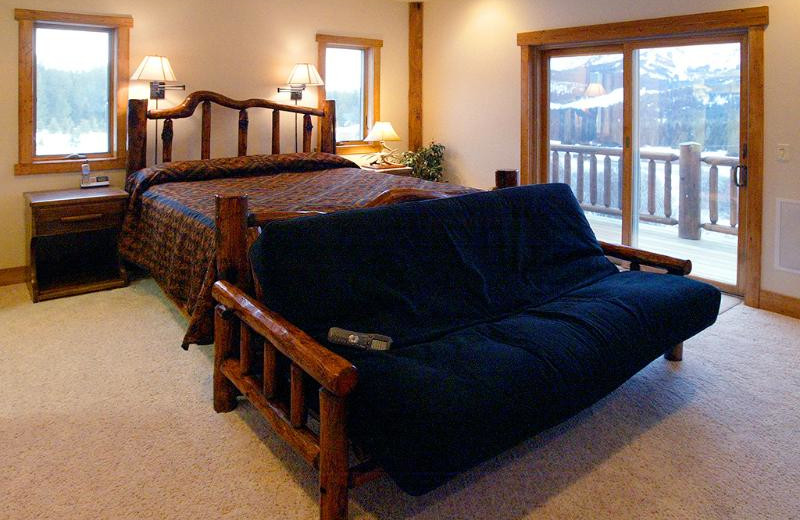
(626, 201)
(755, 166)
(526, 117)
(667, 26)
(670, 264)
(307, 129)
(187, 107)
(297, 403)
(332, 372)
(224, 390)
(276, 131)
(396, 195)
(333, 467)
(26, 96)
(166, 141)
(244, 123)
(328, 128)
(13, 275)
(348, 41)
(205, 134)
(415, 33)
(73, 18)
(231, 240)
(137, 135)
(782, 304)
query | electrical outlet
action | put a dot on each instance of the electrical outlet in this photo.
(783, 152)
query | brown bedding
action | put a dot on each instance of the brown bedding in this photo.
(169, 225)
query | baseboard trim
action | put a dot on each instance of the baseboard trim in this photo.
(774, 302)
(12, 275)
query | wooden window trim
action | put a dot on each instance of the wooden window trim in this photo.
(746, 24)
(372, 79)
(120, 29)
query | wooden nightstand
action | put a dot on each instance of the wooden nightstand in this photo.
(72, 241)
(405, 171)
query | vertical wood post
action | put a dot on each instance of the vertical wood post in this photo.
(651, 187)
(137, 135)
(333, 465)
(734, 199)
(276, 131)
(568, 168)
(307, 128)
(205, 140)
(554, 166)
(166, 139)
(593, 179)
(668, 189)
(231, 240)
(415, 75)
(689, 207)
(607, 181)
(579, 179)
(224, 390)
(328, 127)
(243, 124)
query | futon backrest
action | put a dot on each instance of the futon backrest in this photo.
(418, 270)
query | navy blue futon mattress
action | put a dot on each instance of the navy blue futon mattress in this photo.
(507, 319)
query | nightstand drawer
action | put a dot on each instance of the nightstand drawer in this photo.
(74, 218)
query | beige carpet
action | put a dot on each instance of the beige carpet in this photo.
(102, 415)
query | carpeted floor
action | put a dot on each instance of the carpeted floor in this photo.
(102, 415)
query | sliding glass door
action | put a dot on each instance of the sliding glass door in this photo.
(648, 136)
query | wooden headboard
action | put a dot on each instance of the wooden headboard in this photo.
(138, 116)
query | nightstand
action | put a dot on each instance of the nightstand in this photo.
(72, 241)
(397, 169)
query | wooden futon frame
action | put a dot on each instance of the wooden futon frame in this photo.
(250, 339)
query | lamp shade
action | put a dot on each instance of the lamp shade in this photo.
(154, 68)
(305, 74)
(382, 131)
(594, 90)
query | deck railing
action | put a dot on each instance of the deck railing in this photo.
(693, 169)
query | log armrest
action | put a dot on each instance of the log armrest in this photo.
(639, 257)
(334, 373)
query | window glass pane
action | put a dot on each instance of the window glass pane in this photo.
(586, 105)
(344, 83)
(72, 91)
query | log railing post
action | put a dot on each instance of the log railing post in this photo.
(593, 179)
(689, 207)
(568, 168)
(579, 179)
(713, 194)
(554, 167)
(668, 189)
(651, 187)
(734, 199)
(607, 181)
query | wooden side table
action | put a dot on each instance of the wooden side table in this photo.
(405, 171)
(72, 241)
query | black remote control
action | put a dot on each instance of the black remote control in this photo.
(359, 339)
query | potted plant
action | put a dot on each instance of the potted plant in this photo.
(426, 163)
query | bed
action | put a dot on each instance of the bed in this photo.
(169, 227)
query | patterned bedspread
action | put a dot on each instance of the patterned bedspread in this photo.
(169, 225)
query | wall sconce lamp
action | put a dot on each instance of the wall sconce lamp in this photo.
(382, 131)
(303, 75)
(156, 70)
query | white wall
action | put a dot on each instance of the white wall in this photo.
(472, 86)
(241, 48)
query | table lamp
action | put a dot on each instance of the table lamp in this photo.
(382, 131)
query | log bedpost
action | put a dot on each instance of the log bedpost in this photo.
(689, 205)
(231, 240)
(224, 390)
(205, 143)
(137, 135)
(327, 127)
(307, 128)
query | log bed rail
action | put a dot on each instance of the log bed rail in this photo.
(138, 116)
(252, 342)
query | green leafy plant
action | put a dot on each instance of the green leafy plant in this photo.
(426, 163)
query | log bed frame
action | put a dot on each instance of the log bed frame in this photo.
(242, 325)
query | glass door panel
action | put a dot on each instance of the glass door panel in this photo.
(687, 127)
(585, 126)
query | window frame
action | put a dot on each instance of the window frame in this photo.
(119, 42)
(372, 81)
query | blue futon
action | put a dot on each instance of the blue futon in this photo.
(505, 315)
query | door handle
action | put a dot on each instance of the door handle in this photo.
(740, 175)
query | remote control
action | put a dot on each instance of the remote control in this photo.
(359, 339)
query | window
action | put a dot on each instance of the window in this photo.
(350, 68)
(73, 79)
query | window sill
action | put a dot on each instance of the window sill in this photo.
(352, 148)
(61, 166)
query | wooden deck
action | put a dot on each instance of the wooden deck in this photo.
(713, 257)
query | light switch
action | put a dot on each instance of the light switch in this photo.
(783, 152)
